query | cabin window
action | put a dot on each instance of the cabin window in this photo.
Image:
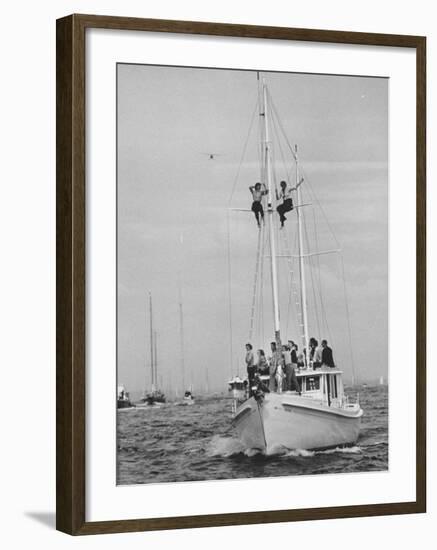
(312, 383)
(334, 387)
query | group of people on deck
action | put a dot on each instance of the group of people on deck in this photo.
(283, 197)
(283, 363)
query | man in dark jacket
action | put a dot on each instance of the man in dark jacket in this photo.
(327, 357)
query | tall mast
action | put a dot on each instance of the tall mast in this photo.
(270, 213)
(152, 359)
(155, 353)
(303, 298)
(181, 328)
(181, 317)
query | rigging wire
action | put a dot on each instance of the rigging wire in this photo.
(277, 122)
(262, 161)
(258, 290)
(261, 301)
(230, 291)
(311, 270)
(281, 126)
(293, 292)
(234, 185)
(255, 283)
(314, 196)
(320, 286)
(237, 176)
(349, 329)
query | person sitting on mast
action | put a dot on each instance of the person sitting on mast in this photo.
(287, 201)
(258, 191)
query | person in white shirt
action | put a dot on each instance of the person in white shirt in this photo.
(251, 368)
(287, 202)
(317, 359)
(280, 375)
(275, 361)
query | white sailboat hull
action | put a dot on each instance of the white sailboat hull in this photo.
(291, 421)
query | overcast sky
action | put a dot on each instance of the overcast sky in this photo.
(167, 118)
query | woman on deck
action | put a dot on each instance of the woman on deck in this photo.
(262, 365)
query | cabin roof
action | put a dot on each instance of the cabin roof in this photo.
(314, 372)
(235, 379)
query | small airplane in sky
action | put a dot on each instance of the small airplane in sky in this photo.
(211, 156)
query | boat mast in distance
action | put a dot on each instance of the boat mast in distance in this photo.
(152, 362)
(181, 329)
(181, 319)
(155, 353)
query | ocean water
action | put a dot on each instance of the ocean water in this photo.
(187, 443)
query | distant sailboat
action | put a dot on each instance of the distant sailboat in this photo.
(381, 380)
(188, 398)
(155, 395)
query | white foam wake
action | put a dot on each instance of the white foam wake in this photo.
(229, 446)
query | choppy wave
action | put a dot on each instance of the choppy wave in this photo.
(197, 443)
(224, 446)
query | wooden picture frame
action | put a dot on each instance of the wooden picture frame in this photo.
(71, 248)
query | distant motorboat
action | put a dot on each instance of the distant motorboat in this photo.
(188, 398)
(123, 400)
(238, 389)
(153, 397)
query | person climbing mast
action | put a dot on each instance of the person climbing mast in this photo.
(287, 201)
(258, 191)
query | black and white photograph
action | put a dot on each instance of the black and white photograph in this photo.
(252, 274)
(217, 272)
